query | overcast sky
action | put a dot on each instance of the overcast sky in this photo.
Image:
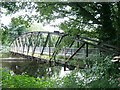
(7, 19)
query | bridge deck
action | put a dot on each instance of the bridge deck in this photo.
(13, 59)
(33, 45)
(58, 62)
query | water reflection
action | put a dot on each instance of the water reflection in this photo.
(34, 68)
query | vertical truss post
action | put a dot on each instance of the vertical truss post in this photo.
(70, 46)
(49, 45)
(11, 46)
(36, 43)
(39, 40)
(65, 53)
(29, 40)
(18, 42)
(100, 52)
(71, 51)
(78, 44)
(57, 41)
(24, 44)
(65, 66)
(14, 45)
(45, 44)
(86, 49)
(56, 45)
(21, 44)
(32, 42)
(40, 44)
(27, 44)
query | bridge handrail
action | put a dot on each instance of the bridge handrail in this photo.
(100, 47)
(55, 33)
(100, 43)
(90, 41)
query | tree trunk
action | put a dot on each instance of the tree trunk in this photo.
(118, 26)
(107, 32)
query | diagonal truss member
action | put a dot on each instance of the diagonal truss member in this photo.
(45, 43)
(56, 45)
(36, 43)
(75, 52)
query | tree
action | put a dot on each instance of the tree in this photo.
(15, 29)
(18, 24)
(98, 16)
(98, 20)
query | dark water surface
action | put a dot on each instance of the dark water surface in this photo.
(20, 66)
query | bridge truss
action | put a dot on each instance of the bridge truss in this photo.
(55, 44)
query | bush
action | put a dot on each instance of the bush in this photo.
(99, 72)
(24, 81)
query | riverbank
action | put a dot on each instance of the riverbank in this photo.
(101, 73)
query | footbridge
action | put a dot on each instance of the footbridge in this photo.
(58, 47)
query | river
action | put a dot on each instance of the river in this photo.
(20, 66)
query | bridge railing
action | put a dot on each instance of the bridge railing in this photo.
(33, 42)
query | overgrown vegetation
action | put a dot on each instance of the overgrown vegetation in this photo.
(24, 81)
(100, 21)
(99, 72)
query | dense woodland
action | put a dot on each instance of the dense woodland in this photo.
(97, 20)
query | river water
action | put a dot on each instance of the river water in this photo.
(21, 66)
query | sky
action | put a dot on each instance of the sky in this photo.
(7, 19)
(39, 27)
(36, 26)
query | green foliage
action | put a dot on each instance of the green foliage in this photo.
(101, 19)
(99, 72)
(10, 6)
(15, 29)
(4, 36)
(98, 20)
(13, 7)
(24, 81)
(102, 72)
(19, 21)
(104, 83)
(71, 81)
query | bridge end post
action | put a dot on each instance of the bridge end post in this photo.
(65, 66)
